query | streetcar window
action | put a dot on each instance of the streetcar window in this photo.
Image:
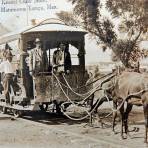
(74, 55)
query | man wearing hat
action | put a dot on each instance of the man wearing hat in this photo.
(6, 67)
(38, 61)
(62, 59)
(58, 58)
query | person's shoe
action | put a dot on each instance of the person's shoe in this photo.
(11, 103)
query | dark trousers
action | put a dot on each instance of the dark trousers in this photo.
(7, 83)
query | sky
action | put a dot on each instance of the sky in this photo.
(37, 14)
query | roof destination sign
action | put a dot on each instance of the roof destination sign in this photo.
(27, 5)
(5, 2)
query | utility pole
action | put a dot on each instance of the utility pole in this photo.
(27, 15)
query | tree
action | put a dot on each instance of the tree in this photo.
(68, 18)
(132, 25)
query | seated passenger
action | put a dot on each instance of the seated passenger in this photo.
(62, 59)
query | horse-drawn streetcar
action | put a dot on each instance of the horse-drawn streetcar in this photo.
(46, 74)
(40, 89)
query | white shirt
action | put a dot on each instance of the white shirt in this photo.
(61, 61)
(6, 67)
(35, 55)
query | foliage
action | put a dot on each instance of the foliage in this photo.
(133, 24)
(69, 18)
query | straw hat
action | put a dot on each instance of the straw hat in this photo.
(37, 40)
(8, 54)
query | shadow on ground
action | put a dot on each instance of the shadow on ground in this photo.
(51, 118)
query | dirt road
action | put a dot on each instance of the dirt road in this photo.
(52, 131)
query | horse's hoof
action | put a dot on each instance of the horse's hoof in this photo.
(124, 137)
(88, 124)
(102, 125)
(129, 135)
(136, 129)
(115, 133)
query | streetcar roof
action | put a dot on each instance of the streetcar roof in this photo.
(44, 26)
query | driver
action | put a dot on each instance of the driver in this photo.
(38, 61)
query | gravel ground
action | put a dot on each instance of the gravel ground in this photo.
(51, 131)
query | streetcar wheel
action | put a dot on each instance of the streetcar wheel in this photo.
(17, 113)
(58, 109)
(3, 110)
(43, 107)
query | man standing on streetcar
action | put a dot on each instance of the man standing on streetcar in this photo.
(38, 61)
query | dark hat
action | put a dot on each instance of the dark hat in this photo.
(7, 47)
(61, 44)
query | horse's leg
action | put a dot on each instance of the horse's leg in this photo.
(145, 108)
(95, 108)
(91, 107)
(114, 114)
(96, 111)
(122, 120)
(97, 104)
(126, 114)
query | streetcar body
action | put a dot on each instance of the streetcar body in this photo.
(45, 88)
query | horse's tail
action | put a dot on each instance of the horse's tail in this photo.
(145, 109)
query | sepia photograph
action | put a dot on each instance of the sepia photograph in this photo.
(73, 73)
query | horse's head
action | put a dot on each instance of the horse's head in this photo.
(109, 83)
